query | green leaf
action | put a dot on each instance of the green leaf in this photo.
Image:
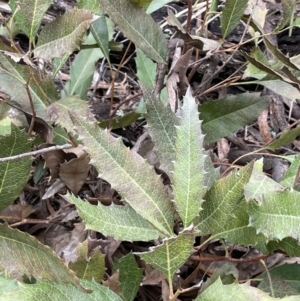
(259, 183)
(146, 69)
(13, 174)
(63, 35)
(278, 54)
(237, 230)
(231, 15)
(121, 122)
(81, 73)
(157, 4)
(91, 5)
(42, 263)
(58, 111)
(241, 292)
(161, 122)
(288, 7)
(49, 291)
(29, 15)
(285, 137)
(283, 74)
(289, 245)
(288, 180)
(58, 63)
(223, 117)
(128, 173)
(130, 276)
(284, 279)
(13, 78)
(212, 174)
(278, 215)
(89, 266)
(221, 201)
(99, 30)
(120, 222)
(278, 86)
(171, 254)
(137, 26)
(189, 173)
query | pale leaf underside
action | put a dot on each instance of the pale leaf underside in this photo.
(18, 249)
(120, 222)
(172, 254)
(63, 36)
(139, 27)
(278, 215)
(128, 173)
(221, 201)
(189, 173)
(161, 122)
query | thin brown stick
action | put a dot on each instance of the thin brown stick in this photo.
(37, 152)
(227, 258)
(31, 105)
(188, 22)
(124, 101)
(114, 76)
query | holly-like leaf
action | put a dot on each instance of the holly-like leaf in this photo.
(288, 13)
(288, 244)
(29, 15)
(137, 26)
(13, 174)
(130, 276)
(172, 254)
(223, 117)
(91, 5)
(81, 73)
(237, 230)
(52, 291)
(241, 292)
(221, 201)
(189, 172)
(231, 15)
(277, 215)
(289, 178)
(14, 77)
(86, 267)
(58, 111)
(99, 29)
(146, 69)
(120, 222)
(259, 183)
(161, 122)
(128, 173)
(42, 263)
(63, 35)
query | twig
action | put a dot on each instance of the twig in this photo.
(37, 152)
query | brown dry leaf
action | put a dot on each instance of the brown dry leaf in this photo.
(57, 237)
(113, 282)
(70, 250)
(75, 172)
(223, 149)
(165, 291)
(152, 276)
(53, 159)
(264, 127)
(18, 211)
(110, 249)
(53, 189)
(176, 76)
(41, 127)
(96, 244)
(78, 151)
